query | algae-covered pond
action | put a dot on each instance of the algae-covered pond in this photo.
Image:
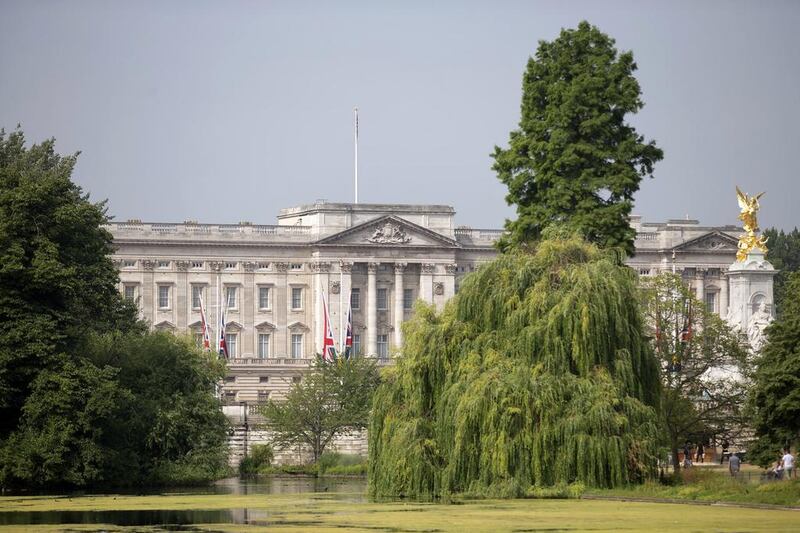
(340, 505)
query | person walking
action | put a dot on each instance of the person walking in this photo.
(788, 464)
(724, 451)
(701, 453)
(733, 464)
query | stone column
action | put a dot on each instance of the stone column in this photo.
(247, 311)
(723, 294)
(316, 327)
(346, 284)
(426, 282)
(183, 302)
(149, 303)
(372, 309)
(399, 268)
(701, 286)
(280, 304)
(215, 299)
(321, 283)
(450, 281)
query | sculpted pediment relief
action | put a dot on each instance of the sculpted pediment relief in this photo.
(388, 231)
(715, 241)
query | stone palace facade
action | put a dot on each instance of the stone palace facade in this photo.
(269, 278)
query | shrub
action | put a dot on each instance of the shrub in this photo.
(261, 456)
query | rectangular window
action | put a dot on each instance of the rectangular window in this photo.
(130, 292)
(383, 346)
(263, 297)
(197, 295)
(128, 263)
(197, 264)
(383, 304)
(230, 297)
(263, 379)
(297, 345)
(230, 265)
(295, 266)
(356, 345)
(711, 301)
(263, 345)
(297, 298)
(355, 299)
(408, 298)
(163, 264)
(163, 296)
(230, 344)
(263, 396)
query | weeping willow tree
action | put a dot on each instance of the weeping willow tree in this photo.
(536, 374)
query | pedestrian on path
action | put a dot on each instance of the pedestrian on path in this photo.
(788, 464)
(733, 464)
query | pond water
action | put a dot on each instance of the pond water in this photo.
(342, 489)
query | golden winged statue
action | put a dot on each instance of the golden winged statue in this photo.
(749, 217)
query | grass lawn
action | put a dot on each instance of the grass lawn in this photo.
(716, 485)
(328, 512)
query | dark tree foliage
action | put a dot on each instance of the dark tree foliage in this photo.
(574, 159)
(536, 373)
(57, 282)
(135, 408)
(332, 399)
(86, 395)
(784, 254)
(64, 437)
(775, 397)
(703, 364)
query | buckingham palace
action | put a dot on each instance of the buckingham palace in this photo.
(269, 279)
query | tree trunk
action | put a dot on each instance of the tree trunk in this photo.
(676, 465)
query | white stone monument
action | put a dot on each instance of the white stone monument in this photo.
(750, 279)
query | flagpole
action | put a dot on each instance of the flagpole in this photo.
(355, 112)
(218, 316)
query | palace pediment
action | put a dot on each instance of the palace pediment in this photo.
(388, 231)
(713, 242)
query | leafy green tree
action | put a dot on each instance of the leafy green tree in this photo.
(332, 399)
(173, 428)
(775, 397)
(136, 408)
(536, 373)
(784, 254)
(57, 282)
(86, 395)
(574, 159)
(703, 363)
(63, 438)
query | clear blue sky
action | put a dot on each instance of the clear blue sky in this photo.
(229, 110)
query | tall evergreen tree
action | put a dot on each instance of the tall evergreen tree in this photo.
(784, 254)
(574, 159)
(775, 396)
